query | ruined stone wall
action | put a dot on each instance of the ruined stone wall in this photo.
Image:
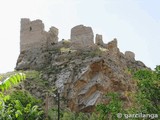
(33, 35)
(82, 36)
(99, 40)
(83, 76)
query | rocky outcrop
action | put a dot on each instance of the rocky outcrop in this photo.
(130, 55)
(82, 36)
(83, 76)
(83, 80)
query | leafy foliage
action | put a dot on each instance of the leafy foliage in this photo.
(148, 95)
(110, 110)
(24, 97)
(12, 80)
(18, 105)
(1, 77)
(15, 110)
(68, 115)
(146, 99)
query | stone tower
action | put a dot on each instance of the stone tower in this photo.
(33, 35)
(82, 36)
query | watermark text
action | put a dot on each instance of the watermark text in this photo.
(138, 115)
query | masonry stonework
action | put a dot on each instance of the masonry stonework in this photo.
(33, 35)
(82, 36)
(130, 55)
(82, 76)
(99, 40)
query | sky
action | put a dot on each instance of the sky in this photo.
(135, 24)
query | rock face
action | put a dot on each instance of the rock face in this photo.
(83, 76)
(83, 79)
(82, 36)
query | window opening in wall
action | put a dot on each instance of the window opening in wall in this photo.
(30, 28)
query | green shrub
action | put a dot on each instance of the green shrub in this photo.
(148, 94)
(11, 80)
(24, 97)
(112, 108)
(19, 105)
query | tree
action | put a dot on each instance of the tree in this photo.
(148, 94)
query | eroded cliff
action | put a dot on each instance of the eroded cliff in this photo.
(82, 71)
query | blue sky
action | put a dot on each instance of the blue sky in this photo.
(135, 23)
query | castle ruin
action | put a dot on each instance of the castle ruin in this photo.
(33, 35)
(34, 40)
(83, 76)
(82, 36)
